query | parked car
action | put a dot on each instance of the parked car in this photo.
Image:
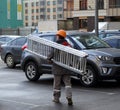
(108, 33)
(103, 61)
(113, 41)
(11, 51)
(6, 38)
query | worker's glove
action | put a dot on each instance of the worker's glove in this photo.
(49, 61)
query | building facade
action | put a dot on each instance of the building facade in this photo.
(11, 14)
(84, 13)
(40, 10)
(72, 14)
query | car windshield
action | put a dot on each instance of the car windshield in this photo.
(89, 41)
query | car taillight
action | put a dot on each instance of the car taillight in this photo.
(24, 47)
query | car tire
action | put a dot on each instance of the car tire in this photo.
(31, 71)
(10, 61)
(89, 79)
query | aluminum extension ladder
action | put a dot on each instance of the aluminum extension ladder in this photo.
(69, 58)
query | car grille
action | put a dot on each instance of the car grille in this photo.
(117, 60)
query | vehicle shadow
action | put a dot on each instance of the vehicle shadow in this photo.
(105, 84)
(15, 68)
(47, 80)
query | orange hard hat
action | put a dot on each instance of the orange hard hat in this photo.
(62, 33)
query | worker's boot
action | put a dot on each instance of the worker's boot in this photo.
(70, 102)
(56, 100)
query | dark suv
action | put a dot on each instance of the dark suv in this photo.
(103, 61)
(108, 33)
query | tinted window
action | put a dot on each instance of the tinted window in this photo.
(101, 35)
(8, 39)
(89, 41)
(3, 39)
(108, 34)
(21, 41)
(70, 42)
(112, 42)
(13, 42)
(49, 37)
(112, 34)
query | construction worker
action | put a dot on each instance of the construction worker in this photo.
(61, 73)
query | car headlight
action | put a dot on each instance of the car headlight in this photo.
(105, 58)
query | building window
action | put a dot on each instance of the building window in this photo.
(83, 5)
(54, 16)
(48, 3)
(32, 17)
(59, 15)
(37, 17)
(32, 23)
(48, 16)
(26, 11)
(54, 9)
(37, 10)
(48, 9)
(114, 3)
(42, 3)
(37, 3)
(54, 2)
(60, 9)
(26, 4)
(42, 17)
(26, 18)
(26, 24)
(42, 9)
(100, 4)
(32, 10)
(83, 23)
(32, 4)
(59, 1)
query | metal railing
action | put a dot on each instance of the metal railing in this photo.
(68, 57)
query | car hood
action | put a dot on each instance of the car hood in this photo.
(104, 52)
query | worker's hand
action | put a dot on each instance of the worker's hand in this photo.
(49, 61)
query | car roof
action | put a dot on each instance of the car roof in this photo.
(11, 36)
(68, 33)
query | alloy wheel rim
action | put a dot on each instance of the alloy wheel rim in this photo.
(31, 71)
(9, 61)
(88, 77)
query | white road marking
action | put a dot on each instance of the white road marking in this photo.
(103, 92)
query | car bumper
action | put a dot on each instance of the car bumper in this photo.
(109, 70)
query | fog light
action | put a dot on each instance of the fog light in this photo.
(104, 70)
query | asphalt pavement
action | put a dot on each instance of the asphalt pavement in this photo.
(17, 93)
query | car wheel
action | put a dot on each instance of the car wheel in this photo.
(10, 61)
(89, 78)
(31, 71)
